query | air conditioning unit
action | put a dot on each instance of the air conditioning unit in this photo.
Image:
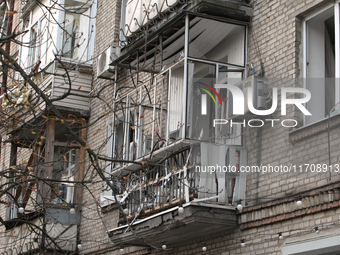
(260, 96)
(104, 70)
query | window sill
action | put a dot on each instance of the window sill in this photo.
(84, 66)
(314, 129)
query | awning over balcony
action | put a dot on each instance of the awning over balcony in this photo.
(166, 34)
(198, 220)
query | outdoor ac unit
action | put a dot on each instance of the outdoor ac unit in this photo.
(260, 96)
(104, 70)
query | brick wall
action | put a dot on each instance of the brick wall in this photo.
(95, 222)
(274, 46)
(6, 147)
(275, 37)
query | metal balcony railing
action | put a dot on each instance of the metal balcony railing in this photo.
(162, 186)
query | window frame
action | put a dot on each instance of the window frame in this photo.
(68, 173)
(305, 61)
(33, 51)
(88, 53)
(111, 144)
(33, 48)
(107, 197)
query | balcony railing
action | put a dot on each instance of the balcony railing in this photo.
(138, 13)
(162, 186)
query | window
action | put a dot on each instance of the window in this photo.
(76, 30)
(122, 21)
(65, 190)
(14, 199)
(12, 209)
(115, 144)
(230, 186)
(67, 31)
(33, 46)
(70, 34)
(31, 41)
(321, 66)
(114, 150)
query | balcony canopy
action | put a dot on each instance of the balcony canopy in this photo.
(165, 40)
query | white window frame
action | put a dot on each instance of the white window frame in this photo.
(68, 175)
(32, 60)
(34, 49)
(90, 36)
(336, 6)
(122, 37)
(112, 140)
(107, 197)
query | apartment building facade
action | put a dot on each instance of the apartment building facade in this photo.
(177, 177)
(43, 102)
(171, 55)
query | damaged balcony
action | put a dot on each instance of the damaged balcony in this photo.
(151, 197)
(53, 155)
(42, 189)
(144, 130)
(197, 220)
(150, 15)
(165, 112)
(164, 136)
(152, 201)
